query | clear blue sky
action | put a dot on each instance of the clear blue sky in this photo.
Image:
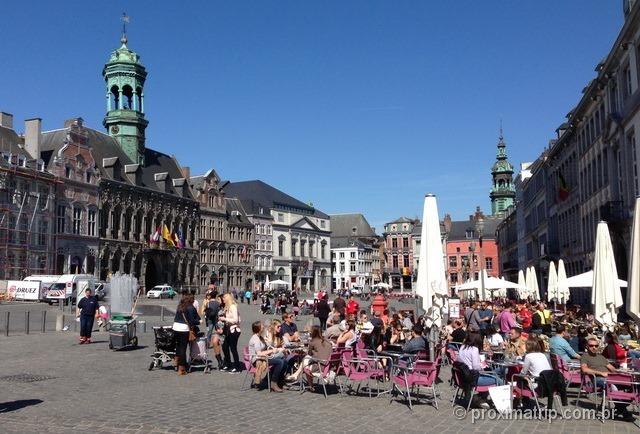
(357, 106)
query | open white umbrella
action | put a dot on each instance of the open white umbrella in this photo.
(563, 287)
(432, 282)
(633, 293)
(382, 285)
(606, 297)
(552, 283)
(278, 282)
(585, 280)
(522, 292)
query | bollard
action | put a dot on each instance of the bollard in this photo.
(162, 313)
(59, 322)
(26, 322)
(44, 321)
(143, 326)
(6, 323)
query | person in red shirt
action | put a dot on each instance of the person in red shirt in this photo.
(525, 317)
(352, 307)
(613, 350)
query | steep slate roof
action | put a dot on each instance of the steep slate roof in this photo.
(268, 196)
(402, 220)
(459, 229)
(342, 225)
(10, 141)
(104, 146)
(341, 242)
(240, 218)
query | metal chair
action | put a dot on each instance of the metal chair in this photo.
(250, 369)
(420, 373)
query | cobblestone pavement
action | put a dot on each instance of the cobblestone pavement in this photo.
(89, 388)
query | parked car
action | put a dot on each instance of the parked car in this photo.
(161, 291)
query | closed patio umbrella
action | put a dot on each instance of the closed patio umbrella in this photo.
(552, 285)
(522, 293)
(606, 297)
(563, 287)
(633, 293)
(535, 289)
(432, 282)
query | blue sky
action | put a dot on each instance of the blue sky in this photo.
(356, 106)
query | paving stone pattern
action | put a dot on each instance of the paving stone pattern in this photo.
(89, 388)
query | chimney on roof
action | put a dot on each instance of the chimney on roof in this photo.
(6, 120)
(447, 223)
(186, 172)
(32, 136)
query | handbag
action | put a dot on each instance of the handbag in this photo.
(192, 334)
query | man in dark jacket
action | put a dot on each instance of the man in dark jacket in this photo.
(86, 310)
(340, 305)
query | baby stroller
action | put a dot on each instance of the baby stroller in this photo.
(165, 351)
(198, 357)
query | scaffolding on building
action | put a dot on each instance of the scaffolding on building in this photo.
(27, 213)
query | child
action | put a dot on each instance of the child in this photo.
(103, 317)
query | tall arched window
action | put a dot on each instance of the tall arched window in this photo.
(127, 95)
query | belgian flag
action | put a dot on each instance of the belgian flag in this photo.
(563, 188)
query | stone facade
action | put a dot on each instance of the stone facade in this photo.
(240, 243)
(399, 247)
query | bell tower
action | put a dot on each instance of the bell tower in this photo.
(124, 76)
(503, 192)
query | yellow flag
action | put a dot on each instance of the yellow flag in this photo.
(167, 236)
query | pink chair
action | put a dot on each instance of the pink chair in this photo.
(421, 373)
(571, 377)
(357, 370)
(327, 370)
(588, 385)
(620, 388)
(250, 369)
(460, 386)
(524, 388)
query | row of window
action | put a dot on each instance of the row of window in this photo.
(405, 243)
(353, 255)
(262, 229)
(263, 245)
(76, 223)
(218, 255)
(464, 261)
(405, 261)
(353, 267)
(303, 250)
(211, 229)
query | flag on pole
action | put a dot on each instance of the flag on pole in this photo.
(181, 239)
(167, 236)
(156, 235)
(563, 188)
(176, 240)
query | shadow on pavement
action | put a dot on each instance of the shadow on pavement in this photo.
(8, 406)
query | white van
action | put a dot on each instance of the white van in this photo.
(45, 280)
(70, 286)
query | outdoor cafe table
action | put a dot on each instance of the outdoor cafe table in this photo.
(510, 368)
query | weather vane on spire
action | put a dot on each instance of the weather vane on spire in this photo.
(126, 19)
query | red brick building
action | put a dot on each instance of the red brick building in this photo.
(471, 246)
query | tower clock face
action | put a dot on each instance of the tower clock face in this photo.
(114, 129)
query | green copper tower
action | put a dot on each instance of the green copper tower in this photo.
(503, 192)
(124, 76)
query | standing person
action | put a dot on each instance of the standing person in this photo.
(186, 319)
(507, 322)
(231, 320)
(352, 307)
(247, 295)
(87, 310)
(323, 310)
(211, 309)
(541, 322)
(486, 317)
(340, 305)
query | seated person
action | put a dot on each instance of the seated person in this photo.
(348, 337)
(469, 354)
(596, 364)
(258, 349)
(377, 320)
(289, 329)
(364, 326)
(559, 345)
(613, 350)
(516, 345)
(535, 361)
(320, 348)
(417, 341)
(332, 333)
(458, 334)
(494, 338)
(395, 334)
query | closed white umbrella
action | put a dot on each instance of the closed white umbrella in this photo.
(535, 289)
(633, 293)
(563, 287)
(432, 282)
(552, 283)
(606, 297)
(529, 282)
(522, 291)
(266, 282)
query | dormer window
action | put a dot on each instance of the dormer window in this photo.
(88, 177)
(22, 162)
(67, 172)
(40, 165)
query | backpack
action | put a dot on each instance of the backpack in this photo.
(211, 311)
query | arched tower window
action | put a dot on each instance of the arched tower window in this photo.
(138, 102)
(115, 98)
(127, 94)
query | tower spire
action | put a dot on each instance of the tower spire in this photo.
(503, 191)
(126, 19)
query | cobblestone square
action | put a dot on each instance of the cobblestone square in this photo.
(79, 388)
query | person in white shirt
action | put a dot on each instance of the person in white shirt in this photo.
(535, 361)
(494, 338)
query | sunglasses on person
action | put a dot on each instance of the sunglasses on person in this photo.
(593, 346)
